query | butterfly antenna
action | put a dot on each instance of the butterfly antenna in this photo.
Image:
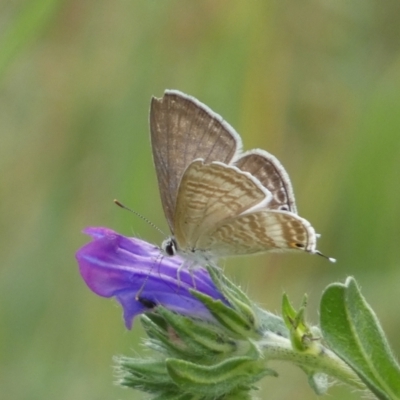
(139, 215)
(332, 260)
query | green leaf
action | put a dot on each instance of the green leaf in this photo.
(352, 330)
(218, 379)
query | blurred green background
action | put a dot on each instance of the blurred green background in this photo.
(316, 83)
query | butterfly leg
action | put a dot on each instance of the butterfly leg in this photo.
(189, 265)
(178, 273)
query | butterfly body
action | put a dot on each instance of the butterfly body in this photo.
(219, 201)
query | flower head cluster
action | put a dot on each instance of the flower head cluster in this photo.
(213, 341)
(140, 277)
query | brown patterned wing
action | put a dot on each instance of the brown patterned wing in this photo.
(182, 130)
(271, 174)
(209, 194)
(260, 231)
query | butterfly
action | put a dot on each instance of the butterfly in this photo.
(218, 200)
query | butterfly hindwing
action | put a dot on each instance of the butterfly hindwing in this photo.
(271, 174)
(209, 194)
(257, 232)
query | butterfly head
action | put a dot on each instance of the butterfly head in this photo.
(169, 246)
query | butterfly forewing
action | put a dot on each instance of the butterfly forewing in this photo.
(259, 231)
(182, 130)
(271, 174)
(209, 194)
(217, 201)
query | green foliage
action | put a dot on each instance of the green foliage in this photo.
(300, 333)
(224, 359)
(204, 360)
(352, 330)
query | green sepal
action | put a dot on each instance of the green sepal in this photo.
(175, 396)
(236, 298)
(300, 333)
(237, 373)
(196, 337)
(239, 326)
(237, 395)
(226, 287)
(159, 339)
(145, 374)
(157, 320)
(142, 366)
(352, 330)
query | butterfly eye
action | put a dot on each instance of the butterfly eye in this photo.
(169, 246)
(283, 208)
(298, 245)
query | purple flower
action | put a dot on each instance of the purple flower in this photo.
(140, 277)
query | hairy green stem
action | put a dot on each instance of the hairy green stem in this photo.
(318, 357)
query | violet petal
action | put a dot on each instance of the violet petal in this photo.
(139, 276)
